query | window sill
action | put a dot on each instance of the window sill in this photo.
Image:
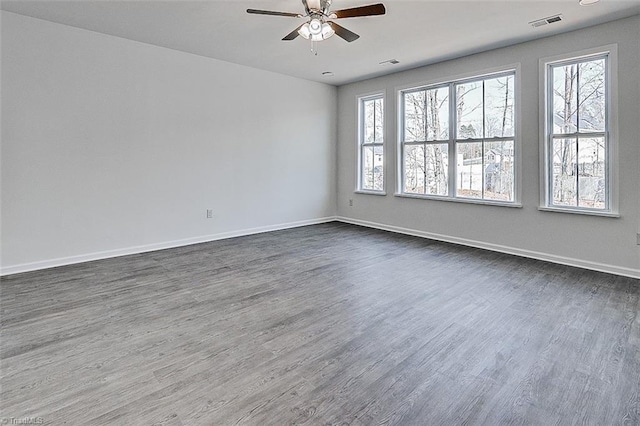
(576, 211)
(460, 200)
(366, 192)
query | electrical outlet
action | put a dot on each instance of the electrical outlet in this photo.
(209, 213)
(350, 202)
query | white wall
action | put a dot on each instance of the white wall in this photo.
(595, 242)
(111, 146)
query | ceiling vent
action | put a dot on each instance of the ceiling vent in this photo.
(545, 21)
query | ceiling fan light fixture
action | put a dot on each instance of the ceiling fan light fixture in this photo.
(304, 31)
(315, 27)
(327, 31)
(315, 30)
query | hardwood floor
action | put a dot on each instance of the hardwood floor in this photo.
(325, 324)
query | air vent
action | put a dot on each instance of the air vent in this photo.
(545, 21)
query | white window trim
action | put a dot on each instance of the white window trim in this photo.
(359, 136)
(517, 145)
(370, 191)
(458, 200)
(612, 137)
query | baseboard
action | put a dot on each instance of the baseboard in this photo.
(585, 264)
(52, 263)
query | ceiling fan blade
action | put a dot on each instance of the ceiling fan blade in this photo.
(343, 32)
(272, 13)
(292, 35)
(370, 10)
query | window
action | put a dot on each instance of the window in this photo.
(458, 139)
(425, 141)
(371, 144)
(577, 148)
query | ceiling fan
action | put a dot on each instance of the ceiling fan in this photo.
(318, 27)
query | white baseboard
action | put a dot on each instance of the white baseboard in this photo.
(52, 263)
(585, 264)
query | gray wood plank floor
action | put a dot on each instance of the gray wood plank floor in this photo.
(326, 324)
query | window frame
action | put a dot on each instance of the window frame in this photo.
(403, 143)
(452, 141)
(609, 53)
(361, 145)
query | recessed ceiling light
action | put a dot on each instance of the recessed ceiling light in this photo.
(587, 2)
(327, 74)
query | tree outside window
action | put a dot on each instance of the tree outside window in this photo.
(458, 139)
(371, 141)
(577, 143)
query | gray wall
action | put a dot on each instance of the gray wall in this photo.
(111, 146)
(595, 242)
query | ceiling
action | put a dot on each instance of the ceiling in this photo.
(413, 32)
